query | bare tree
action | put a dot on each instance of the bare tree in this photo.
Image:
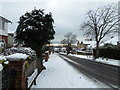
(100, 22)
(69, 38)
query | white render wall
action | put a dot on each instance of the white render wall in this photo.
(5, 31)
(10, 40)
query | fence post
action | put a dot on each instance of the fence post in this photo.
(17, 76)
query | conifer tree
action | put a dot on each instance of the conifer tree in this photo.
(35, 29)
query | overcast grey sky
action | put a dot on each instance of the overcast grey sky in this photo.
(68, 14)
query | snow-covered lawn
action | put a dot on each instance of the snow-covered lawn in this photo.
(107, 61)
(60, 74)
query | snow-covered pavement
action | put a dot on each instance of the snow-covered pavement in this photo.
(60, 74)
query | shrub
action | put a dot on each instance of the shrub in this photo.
(109, 51)
(28, 51)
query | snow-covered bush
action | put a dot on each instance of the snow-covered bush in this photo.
(2, 59)
(28, 51)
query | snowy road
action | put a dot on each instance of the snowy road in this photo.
(105, 73)
(60, 74)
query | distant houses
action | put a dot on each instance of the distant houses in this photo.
(87, 43)
(81, 45)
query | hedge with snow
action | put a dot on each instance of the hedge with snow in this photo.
(28, 51)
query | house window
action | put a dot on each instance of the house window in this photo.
(3, 25)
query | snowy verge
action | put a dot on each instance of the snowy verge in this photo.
(101, 60)
(69, 60)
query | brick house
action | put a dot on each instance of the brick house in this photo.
(4, 29)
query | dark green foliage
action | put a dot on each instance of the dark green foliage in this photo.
(35, 27)
(109, 51)
(5, 65)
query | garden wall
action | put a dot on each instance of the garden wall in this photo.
(0, 80)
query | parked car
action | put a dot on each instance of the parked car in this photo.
(63, 50)
(80, 52)
(56, 50)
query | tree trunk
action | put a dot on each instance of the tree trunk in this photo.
(39, 59)
(68, 48)
(39, 64)
(97, 50)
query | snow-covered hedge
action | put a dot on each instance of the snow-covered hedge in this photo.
(28, 51)
(109, 51)
(17, 53)
(17, 57)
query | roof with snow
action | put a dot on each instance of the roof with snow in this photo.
(113, 41)
(8, 21)
(90, 43)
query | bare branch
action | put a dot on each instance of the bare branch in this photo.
(101, 22)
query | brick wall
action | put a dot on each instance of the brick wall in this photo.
(0, 80)
(4, 38)
(17, 78)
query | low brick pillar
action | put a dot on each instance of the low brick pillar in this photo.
(0, 79)
(17, 73)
